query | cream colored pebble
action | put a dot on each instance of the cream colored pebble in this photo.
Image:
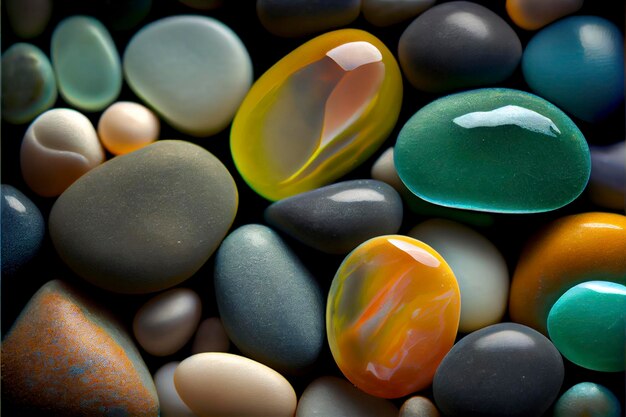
(126, 126)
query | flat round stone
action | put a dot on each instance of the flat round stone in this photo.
(535, 14)
(496, 150)
(389, 12)
(587, 399)
(86, 63)
(195, 86)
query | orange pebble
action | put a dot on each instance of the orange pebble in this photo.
(126, 126)
(534, 14)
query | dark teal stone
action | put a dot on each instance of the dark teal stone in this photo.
(587, 399)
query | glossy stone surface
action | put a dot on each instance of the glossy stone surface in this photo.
(586, 55)
(210, 337)
(23, 229)
(535, 14)
(607, 184)
(338, 217)
(28, 18)
(161, 210)
(126, 126)
(418, 407)
(165, 323)
(330, 396)
(170, 403)
(86, 63)
(223, 385)
(389, 12)
(458, 45)
(195, 86)
(496, 150)
(271, 306)
(587, 399)
(502, 370)
(59, 146)
(28, 84)
(587, 325)
(62, 349)
(479, 268)
(316, 114)
(568, 251)
(392, 315)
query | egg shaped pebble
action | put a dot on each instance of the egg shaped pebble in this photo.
(330, 396)
(587, 325)
(392, 315)
(495, 150)
(195, 86)
(28, 18)
(86, 63)
(271, 306)
(506, 369)
(58, 147)
(418, 407)
(338, 217)
(302, 17)
(458, 45)
(28, 84)
(210, 337)
(479, 268)
(607, 184)
(165, 323)
(316, 114)
(23, 229)
(568, 251)
(389, 12)
(587, 399)
(535, 14)
(224, 385)
(162, 211)
(169, 401)
(586, 55)
(64, 349)
(126, 126)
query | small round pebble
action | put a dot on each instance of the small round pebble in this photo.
(169, 401)
(418, 407)
(126, 126)
(210, 337)
(587, 399)
(534, 14)
(58, 148)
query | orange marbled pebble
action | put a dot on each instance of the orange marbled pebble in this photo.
(568, 251)
(534, 14)
(392, 315)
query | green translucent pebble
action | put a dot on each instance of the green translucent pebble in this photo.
(86, 63)
(28, 84)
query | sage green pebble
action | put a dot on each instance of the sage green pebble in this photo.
(587, 325)
(147, 220)
(28, 84)
(86, 63)
(495, 150)
(587, 399)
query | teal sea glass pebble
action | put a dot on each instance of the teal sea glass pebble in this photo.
(494, 150)
(587, 399)
(86, 63)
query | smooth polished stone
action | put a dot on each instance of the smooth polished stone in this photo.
(587, 399)
(458, 45)
(330, 396)
(390, 12)
(86, 63)
(479, 268)
(195, 86)
(271, 306)
(568, 251)
(60, 146)
(23, 229)
(494, 150)
(418, 407)
(28, 84)
(607, 184)
(587, 324)
(165, 323)
(224, 385)
(316, 114)
(506, 369)
(126, 126)
(392, 315)
(210, 337)
(586, 55)
(291, 18)
(64, 349)
(169, 401)
(162, 211)
(28, 18)
(338, 217)
(535, 14)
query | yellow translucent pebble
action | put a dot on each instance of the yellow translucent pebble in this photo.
(316, 114)
(126, 126)
(392, 315)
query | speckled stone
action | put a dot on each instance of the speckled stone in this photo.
(271, 306)
(162, 211)
(338, 217)
(418, 407)
(389, 12)
(23, 229)
(64, 349)
(587, 399)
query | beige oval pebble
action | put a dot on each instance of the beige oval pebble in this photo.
(126, 126)
(211, 337)
(58, 148)
(218, 384)
(166, 322)
(169, 401)
(417, 407)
